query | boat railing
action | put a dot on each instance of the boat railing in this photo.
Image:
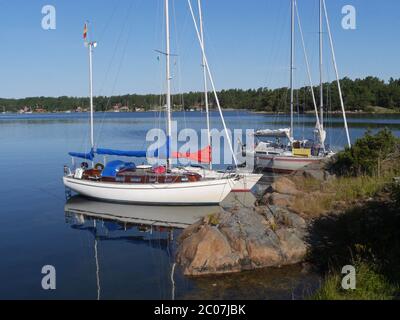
(67, 171)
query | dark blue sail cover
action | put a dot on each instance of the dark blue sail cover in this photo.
(131, 154)
(112, 168)
(86, 156)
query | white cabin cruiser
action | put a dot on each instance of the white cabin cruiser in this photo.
(283, 155)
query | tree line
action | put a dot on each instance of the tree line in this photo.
(359, 94)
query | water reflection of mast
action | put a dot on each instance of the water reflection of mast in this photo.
(97, 260)
(141, 225)
(173, 281)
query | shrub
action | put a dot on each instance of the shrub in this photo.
(366, 155)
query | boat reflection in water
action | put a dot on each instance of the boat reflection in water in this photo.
(131, 255)
(152, 226)
(125, 214)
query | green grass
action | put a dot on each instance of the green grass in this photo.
(353, 188)
(370, 285)
(368, 230)
(319, 198)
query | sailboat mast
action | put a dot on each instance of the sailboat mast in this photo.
(321, 86)
(91, 94)
(90, 45)
(307, 66)
(292, 43)
(205, 79)
(168, 69)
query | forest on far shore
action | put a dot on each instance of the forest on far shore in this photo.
(367, 95)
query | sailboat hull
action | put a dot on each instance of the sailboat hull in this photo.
(283, 164)
(207, 192)
(246, 182)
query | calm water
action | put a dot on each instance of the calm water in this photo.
(111, 257)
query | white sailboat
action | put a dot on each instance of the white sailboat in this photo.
(276, 156)
(118, 181)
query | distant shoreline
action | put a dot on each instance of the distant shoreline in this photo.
(335, 113)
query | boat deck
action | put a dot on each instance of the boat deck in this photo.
(139, 177)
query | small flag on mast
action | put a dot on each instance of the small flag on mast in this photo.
(85, 30)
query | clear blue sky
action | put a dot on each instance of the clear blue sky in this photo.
(247, 44)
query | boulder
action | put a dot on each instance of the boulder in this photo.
(207, 251)
(284, 216)
(267, 213)
(189, 231)
(245, 238)
(279, 199)
(264, 250)
(315, 171)
(292, 246)
(319, 175)
(285, 186)
(237, 243)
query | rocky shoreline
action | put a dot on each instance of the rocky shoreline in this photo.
(242, 239)
(315, 221)
(269, 233)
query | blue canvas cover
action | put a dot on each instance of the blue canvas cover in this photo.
(86, 156)
(132, 154)
(112, 168)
